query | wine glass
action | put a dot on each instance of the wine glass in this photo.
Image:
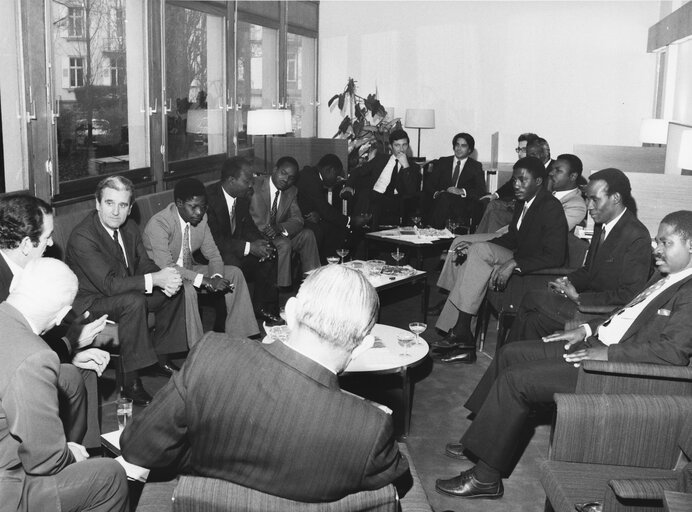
(397, 256)
(416, 220)
(405, 340)
(453, 225)
(417, 328)
(343, 253)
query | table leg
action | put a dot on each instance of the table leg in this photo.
(406, 399)
(419, 255)
(424, 299)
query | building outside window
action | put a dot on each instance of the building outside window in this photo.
(76, 72)
(75, 22)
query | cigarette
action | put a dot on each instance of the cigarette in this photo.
(110, 322)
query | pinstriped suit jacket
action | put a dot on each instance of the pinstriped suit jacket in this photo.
(268, 418)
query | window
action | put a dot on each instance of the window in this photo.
(76, 72)
(117, 71)
(75, 22)
(300, 78)
(291, 69)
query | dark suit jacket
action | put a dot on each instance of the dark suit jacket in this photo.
(541, 242)
(6, 277)
(471, 178)
(661, 332)
(231, 246)
(268, 418)
(92, 254)
(288, 215)
(32, 439)
(620, 267)
(506, 191)
(312, 198)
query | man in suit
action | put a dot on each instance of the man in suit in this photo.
(653, 328)
(173, 235)
(455, 185)
(237, 237)
(617, 265)
(319, 201)
(26, 229)
(272, 417)
(275, 211)
(39, 468)
(537, 238)
(117, 278)
(386, 186)
(499, 210)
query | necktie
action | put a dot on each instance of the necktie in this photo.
(599, 242)
(275, 205)
(119, 247)
(455, 175)
(639, 298)
(233, 217)
(521, 217)
(391, 188)
(187, 253)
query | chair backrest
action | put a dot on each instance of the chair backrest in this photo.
(200, 494)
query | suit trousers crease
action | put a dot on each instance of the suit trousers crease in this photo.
(471, 282)
(542, 312)
(305, 245)
(497, 214)
(97, 485)
(522, 374)
(265, 276)
(450, 270)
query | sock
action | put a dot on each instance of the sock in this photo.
(486, 474)
(129, 377)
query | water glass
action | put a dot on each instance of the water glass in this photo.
(123, 411)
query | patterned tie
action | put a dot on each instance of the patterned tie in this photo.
(275, 205)
(455, 176)
(639, 298)
(391, 188)
(119, 247)
(187, 253)
(233, 217)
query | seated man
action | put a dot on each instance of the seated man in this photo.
(537, 239)
(318, 200)
(387, 185)
(616, 268)
(237, 237)
(274, 208)
(173, 235)
(456, 184)
(26, 230)
(272, 417)
(39, 469)
(653, 328)
(117, 278)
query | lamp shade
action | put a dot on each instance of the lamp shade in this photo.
(288, 120)
(685, 160)
(266, 122)
(420, 118)
(654, 131)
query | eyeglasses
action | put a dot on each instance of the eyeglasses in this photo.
(520, 150)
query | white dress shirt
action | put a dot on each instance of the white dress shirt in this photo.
(386, 176)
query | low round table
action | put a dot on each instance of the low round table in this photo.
(385, 357)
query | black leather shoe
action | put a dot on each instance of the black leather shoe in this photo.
(452, 340)
(455, 451)
(466, 486)
(166, 369)
(136, 392)
(270, 318)
(460, 356)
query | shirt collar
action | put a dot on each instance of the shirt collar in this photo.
(529, 203)
(230, 200)
(462, 162)
(272, 190)
(182, 222)
(562, 193)
(610, 225)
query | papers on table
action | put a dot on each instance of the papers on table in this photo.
(415, 235)
(111, 440)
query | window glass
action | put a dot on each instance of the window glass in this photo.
(256, 72)
(300, 78)
(90, 88)
(195, 83)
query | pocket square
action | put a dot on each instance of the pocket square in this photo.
(663, 312)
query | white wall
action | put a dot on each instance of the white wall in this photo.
(574, 72)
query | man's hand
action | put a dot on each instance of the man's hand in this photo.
(78, 451)
(82, 335)
(461, 248)
(457, 191)
(217, 284)
(313, 217)
(562, 286)
(570, 337)
(346, 192)
(168, 279)
(92, 359)
(403, 161)
(270, 232)
(490, 197)
(597, 353)
(262, 249)
(501, 274)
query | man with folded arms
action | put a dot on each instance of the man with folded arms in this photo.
(617, 265)
(40, 469)
(272, 417)
(654, 327)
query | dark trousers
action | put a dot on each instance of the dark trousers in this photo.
(541, 312)
(329, 238)
(522, 375)
(450, 206)
(130, 310)
(264, 274)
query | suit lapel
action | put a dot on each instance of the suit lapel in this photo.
(531, 212)
(221, 209)
(176, 242)
(109, 243)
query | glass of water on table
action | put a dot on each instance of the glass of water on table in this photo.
(123, 410)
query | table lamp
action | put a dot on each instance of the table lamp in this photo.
(266, 122)
(420, 118)
(654, 131)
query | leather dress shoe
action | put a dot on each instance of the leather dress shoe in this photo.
(460, 356)
(452, 340)
(270, 318)
(455, 451)
(466, 486)
(136, 392)
(166, 369)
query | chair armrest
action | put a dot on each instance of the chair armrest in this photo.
(625, 430)
(677, 501)
(644, 378)
(553, 271)
(596, 310)
(643, 488)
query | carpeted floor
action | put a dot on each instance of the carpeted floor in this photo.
(438, 414)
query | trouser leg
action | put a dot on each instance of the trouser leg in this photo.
(72, 398)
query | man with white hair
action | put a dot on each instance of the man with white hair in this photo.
(39, 469)
(272, 417)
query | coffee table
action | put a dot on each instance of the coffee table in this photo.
(410, 237)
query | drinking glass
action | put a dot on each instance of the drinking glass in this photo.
(123, 410)
(417, 328)
(405, 340)
(397, 256)
(416, 220)
(343, 253)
